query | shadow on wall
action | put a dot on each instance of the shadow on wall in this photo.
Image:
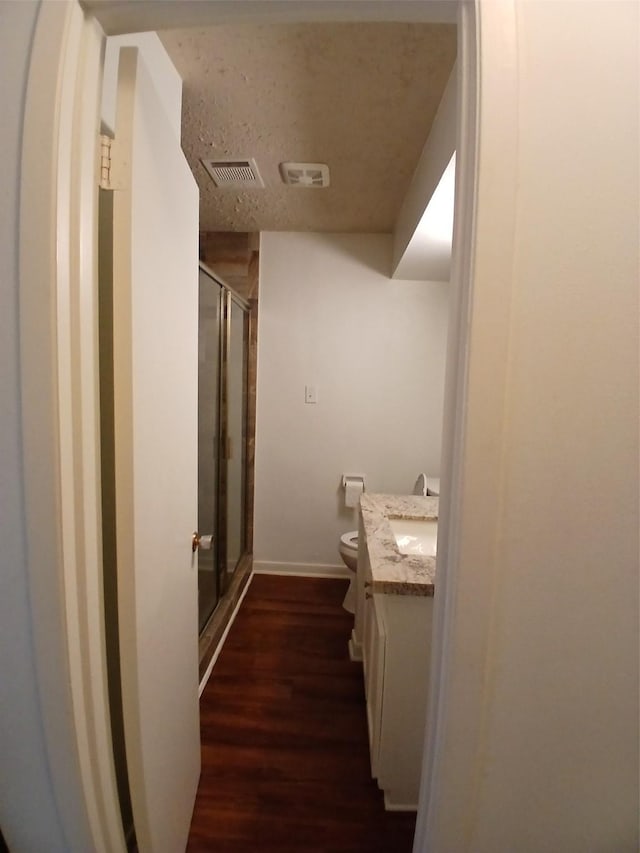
(359, 250)
(357, 247)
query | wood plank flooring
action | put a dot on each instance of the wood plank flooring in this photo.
(285, 757)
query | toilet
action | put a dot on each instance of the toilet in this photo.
(348, 546)
(349, 549)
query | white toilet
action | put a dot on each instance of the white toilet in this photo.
(348, 546)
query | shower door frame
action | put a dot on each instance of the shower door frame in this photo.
(228, 295)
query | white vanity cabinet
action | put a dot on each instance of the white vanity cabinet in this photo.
(393, 633)
(392, 637)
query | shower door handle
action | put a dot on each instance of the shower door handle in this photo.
(203, 543)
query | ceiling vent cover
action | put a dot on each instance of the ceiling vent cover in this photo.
(305, 174)
(234, 173)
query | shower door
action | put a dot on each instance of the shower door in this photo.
(222, 416)
(209, 388)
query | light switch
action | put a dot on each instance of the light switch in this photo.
(310, 394)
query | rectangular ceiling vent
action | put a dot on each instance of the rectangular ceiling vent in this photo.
(234, 173)
(305, 174)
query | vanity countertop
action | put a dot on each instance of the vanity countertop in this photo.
(392, 572)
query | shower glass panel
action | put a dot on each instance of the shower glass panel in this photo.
(222, 415)
(209, 343)
(237, 349)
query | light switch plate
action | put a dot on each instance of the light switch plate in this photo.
(310, 394)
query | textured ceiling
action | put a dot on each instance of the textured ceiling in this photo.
(359, 97)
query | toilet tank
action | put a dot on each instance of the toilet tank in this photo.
(420, 487)
(427, 486)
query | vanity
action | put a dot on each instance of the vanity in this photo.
(392, 635)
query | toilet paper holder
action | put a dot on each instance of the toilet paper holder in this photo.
(351, 479)
(353, 485)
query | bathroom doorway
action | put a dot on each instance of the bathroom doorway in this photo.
(223, 344)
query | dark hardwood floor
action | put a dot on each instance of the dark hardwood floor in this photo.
(285, 757)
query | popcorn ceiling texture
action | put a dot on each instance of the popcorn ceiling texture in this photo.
(359, 97)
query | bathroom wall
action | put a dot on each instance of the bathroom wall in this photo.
(331, 317)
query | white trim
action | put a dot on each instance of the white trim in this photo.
(118, 17)
(58, 330)
(455, 389)
(484, 246)
(212, 662)
(83, 437)
(63, 692)
(355, 648)
(398, 807)
(302, 570)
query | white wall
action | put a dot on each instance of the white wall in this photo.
(538, 741)
(410, 251)
(375, 348)
(28, 811)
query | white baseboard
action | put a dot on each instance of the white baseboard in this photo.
(304, 570)
(214, 657)
(355, 649)
(399, 807)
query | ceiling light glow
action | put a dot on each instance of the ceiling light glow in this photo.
(436, 224)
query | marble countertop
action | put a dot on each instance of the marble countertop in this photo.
(392, 572)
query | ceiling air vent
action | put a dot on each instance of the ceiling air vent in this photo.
(305, 174)
(236, 174)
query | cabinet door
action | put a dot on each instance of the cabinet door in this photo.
(407, 621)
(374, 661)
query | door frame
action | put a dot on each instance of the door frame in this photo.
(60, 418)
(228, 295)
(59, 379)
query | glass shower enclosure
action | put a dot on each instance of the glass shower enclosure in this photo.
(223, 338)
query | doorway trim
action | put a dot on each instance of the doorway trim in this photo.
(60, 409)
(457, 368)
(58, 297)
